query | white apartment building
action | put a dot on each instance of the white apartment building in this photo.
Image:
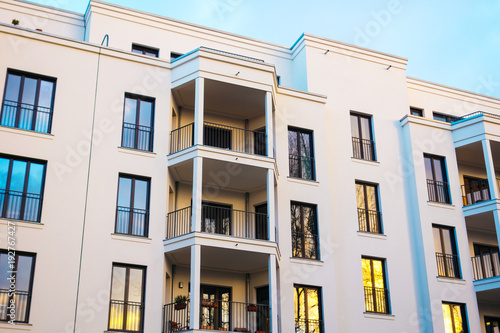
(157, 176)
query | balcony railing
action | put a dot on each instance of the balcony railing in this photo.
(363, 149)
(376, 300)
(301, 166)
(230, 316)
(220, 220)
(176, 317)
(21, 301)
(438, 191)
(308, 326)
(369, 220)
(26, 116)
(132, 221)
(220, 136)
(20, 205)
(137, 137)
(486, 266)
(125, 316)
(305, 245)
(475, 192)
(448, 265)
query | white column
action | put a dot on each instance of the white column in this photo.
(198, 110)
(490, 168)
(194, 313)
(496, 216)
(197, 194)
(269, 124)
(273, 293)
(270, 205)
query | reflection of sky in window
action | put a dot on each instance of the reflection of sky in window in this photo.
(29, 91)
(124, 190)
(4, 283)
(141, 189)
(45, 97)
(145, 116)
(130, 110)
(13, 84)
(35, 178)
(118, 284)
(4, 169)
(23, 276)
(18, 176)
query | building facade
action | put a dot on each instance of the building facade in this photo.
(158, 176)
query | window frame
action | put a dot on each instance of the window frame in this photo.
(306, 307)
(136, 125)
(39, 78)
(446, 184)
(311, 157)
(367, 211)
(453, 243)
(373, 150)
(388, 307)
(127, 286)
(447, 118)
(133, 178)
(144, 49)
(314, 207)
(32, 278)
(463, 311)
(417, 112)
(175, 55)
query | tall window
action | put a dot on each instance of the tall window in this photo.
(368, 207)
(21, 188)
(308, 309)
(18, 267)
(446, 251)
(145, 50)
(437, 182)
(304, 231)
(455, 320)
(138, 120)
(126, 309)
(363, 145)
(301, 153)
(28, 101)
(132, 211)
(374, 282)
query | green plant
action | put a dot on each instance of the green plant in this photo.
(15, 22)
(180, 299)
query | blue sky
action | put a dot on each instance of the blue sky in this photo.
(456, 43)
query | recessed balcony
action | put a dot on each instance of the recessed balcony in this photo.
(486, 266)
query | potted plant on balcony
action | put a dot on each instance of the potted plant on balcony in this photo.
(252, 308)
(180, 302)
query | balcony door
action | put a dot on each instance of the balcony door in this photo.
(263, 314)
(216, 218)
(259, 142)
(486, 260)
(261, 222)
(476, 190)
(215, 308)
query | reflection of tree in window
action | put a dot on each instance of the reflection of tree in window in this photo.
(374, 285)
(307, 302)
(301, 159)
(454, 320)
(304, 231)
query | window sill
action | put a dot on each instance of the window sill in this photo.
(20, 131)
(440, 205)
(16, 326)
(303, 181)
(130, 238)
(451, 280)
(367, 162)
(372, 235)
(22, 224)
(306, 261)
(384, 316)
(136, 152)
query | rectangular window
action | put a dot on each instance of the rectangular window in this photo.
(138, 120)
(174, 55)
(145, 50)
(443, 117)
(363, 145)
(132, 211)
(374, 282)
(28, 101)
(21, 188)
(437, 181)
(369, 217)
(446, 251)
(455, 320)
(301, 153)
(20, 267)
(416, 112)
(304, 231)
(126, 308)
(308, 309)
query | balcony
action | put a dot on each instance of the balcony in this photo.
(26, 116)
(369, 221)
(448, 265)
(363, 149)
(474, 192)
(20, 205)
(220, 220)
(218, 315)
(21, 299)
(438, 191)
(137, 137)
(376, 300)
(486, 266)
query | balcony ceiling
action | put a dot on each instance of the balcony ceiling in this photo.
(224, 99)
(490, 296)
(483, 221)
(472, 154)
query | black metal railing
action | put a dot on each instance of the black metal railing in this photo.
(237, 223)
(475, 192)
(125, 316)
(231, 316)
(231, 54)
(26, 116)
(363, 149)
(438, 191)
(20, 205)
(181, 138)
(132, 221)
(369, 220)
(475, 114)
(137, 137)
(20, 300)
(234, 138)
(305, 245)
(448, 265)
(302, 167)
(377, 300)
(308, 326)
(179, 222)
(176, 317)
(486, 266)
